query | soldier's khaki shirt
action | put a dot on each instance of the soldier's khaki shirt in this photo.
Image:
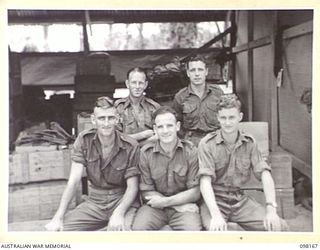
(230, 169)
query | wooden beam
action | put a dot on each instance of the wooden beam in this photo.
(295, 31)
(208, 44)
(250, 67)
(252, 44)
(273, 97)
(298, 30)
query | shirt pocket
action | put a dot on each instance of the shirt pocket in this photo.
(220, 164)
(116, 173)
(159, 176)
(242, 168)
(93, 161)
(189, 114)
(210, 113)
(180, 176)
(129, 124)
(93, 169)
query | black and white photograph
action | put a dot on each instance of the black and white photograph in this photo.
(160, 120)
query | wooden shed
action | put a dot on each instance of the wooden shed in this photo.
(268, 56)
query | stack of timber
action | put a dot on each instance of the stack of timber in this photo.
(38, 175)
(92, 80)
(281, 171)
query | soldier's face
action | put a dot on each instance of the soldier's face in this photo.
(136, 84)
(105, 120)
(197, 72)
(229, 119)
(166, 127)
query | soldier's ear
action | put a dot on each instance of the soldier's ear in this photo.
(178, 125)
(241, 116)
(93, 120)
(154, 129)
(127, 83)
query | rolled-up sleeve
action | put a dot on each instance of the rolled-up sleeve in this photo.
(78, 154)
(258, 163)
(133, 162)
(146, 182)
(206, 160)
(177, 106)
(192, 177)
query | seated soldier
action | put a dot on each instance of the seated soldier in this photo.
(226, 158)
(110, 159)
(136, 109)
(168, 180)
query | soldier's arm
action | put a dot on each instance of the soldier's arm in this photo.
(142, 135)
(217, 222)
(117, 219)
(272, 220)
(56, 223)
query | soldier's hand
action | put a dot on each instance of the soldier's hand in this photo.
(54, 225)
(116, 222)
(272, 221)
(218, 224)
(156, 201)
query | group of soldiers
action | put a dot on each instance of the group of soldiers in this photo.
(181, 166)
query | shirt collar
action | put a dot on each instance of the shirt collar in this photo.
(190, 91)
(128, 102)
(158, 148)
(118, 143)
(241, 137)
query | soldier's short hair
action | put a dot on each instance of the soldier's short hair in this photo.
(229, 101)
(136, 69)
(196, 58)
(104, 102)
(163, 110)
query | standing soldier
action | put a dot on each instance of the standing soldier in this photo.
(136, 110)
(196, 104)
(110, 159)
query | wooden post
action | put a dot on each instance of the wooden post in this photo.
(250, 67)
(273, 100)
(86, 46)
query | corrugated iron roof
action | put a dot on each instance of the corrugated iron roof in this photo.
(116, 16)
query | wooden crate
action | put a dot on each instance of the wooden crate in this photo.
(32, 166)
(36, 201)
(284, 198)
(281, 169)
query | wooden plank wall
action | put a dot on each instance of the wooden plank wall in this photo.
(241, 64)
(255, 82)
(295, 121)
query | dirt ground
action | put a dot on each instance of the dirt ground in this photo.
(302, 222)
